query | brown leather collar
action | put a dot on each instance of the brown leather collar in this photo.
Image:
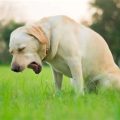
(47, 51)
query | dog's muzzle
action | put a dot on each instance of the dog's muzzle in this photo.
(16, 68)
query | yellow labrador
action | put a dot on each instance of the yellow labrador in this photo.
(70, 48)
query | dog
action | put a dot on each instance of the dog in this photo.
(69, 47)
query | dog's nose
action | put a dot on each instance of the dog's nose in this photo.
(16, 68)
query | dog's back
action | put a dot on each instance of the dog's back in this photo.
(96, 57)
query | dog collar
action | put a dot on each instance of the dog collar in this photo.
(47, 51)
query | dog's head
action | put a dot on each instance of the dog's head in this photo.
(28, 47)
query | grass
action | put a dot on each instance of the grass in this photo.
(26, 96)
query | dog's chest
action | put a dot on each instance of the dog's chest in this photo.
(60, 65)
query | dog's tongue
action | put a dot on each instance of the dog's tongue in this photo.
(35, 67)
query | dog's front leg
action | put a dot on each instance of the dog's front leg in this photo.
(58, 77)
(76, 71)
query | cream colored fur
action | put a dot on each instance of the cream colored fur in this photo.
(73, 50)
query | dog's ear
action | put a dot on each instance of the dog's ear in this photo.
(38, 33)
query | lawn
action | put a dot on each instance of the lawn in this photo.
(26, 96)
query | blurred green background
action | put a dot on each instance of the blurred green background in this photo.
(105, 20)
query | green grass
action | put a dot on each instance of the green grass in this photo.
(26, 96)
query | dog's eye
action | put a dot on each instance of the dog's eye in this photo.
(21, 49)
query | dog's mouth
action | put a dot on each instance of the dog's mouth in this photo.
(35, 67)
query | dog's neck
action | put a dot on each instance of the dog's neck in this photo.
(44, 48)
(47, 49)
(50, 48)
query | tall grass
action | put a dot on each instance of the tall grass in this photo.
(26, 96)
